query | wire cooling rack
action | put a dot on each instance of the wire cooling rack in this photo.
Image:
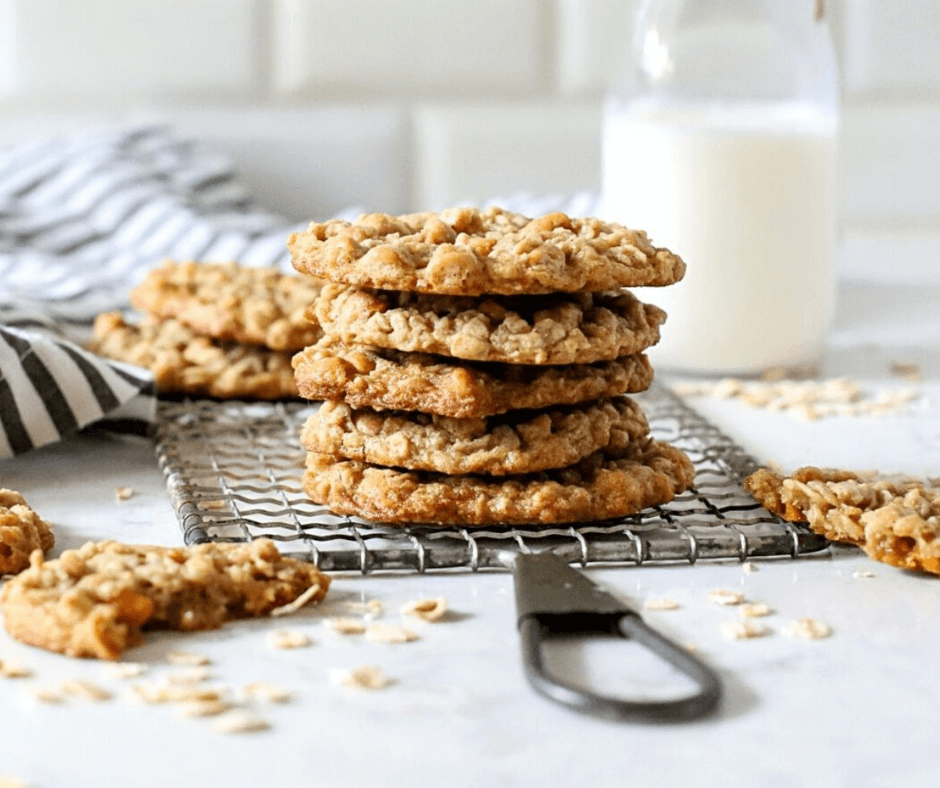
(234, 472)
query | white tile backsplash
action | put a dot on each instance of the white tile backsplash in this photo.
(115, 49)
(401, 104)
(891, 47)
(402, 48)
(539, 148)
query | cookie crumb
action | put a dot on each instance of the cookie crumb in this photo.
(661, 603)
(721, 596)
(808, 629)
(288, 638)
(123, 494)
(239, 721)
(270, 693)
(432, 609)
(754, 610)
(743, 630)
(85, 689)
(345, 625)
(368, 677)
(389, 633)
(179, 657)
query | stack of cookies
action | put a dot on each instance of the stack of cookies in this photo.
(475, 367)
(214, 329)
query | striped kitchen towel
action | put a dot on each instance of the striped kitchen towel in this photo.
(82, 218)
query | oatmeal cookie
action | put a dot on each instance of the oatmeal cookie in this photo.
(577, 328)
(893, 521)
(382, 379)
(463, 251)
(521, 441)
(231, 302)
(604, 485)
(184, 362)
(21, 532)
(97, 600)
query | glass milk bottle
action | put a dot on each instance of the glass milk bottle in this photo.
(719, 140)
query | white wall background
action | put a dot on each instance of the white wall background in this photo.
(396, 105)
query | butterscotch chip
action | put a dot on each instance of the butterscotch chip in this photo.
(97, 600)
(896, 522)
(21, 532)
(228, 301)
(384, 379)
(575, 328)
(184, 362)
(601, 486)
(517, 442)
(463, 251)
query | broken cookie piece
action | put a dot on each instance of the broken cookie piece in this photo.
(98, 600)
(896, 522)
(21, 532)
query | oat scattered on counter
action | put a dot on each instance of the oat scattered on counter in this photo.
(194, 675)
(749, 567)
(368, 677)
(371, 609)
(270, 693)
(124, 670)
(180, 657)
(906, 370)
(721, 596)
(805, 399)
(808, 629)
(14, 670)
(743, 630)
(84, 689)
(861, 573)
(167, 693)
(432, 609)
(313, 592)
(754, 610)
(345, 625)
(288, 638)
(46, 695)
(239, 721)
(123, 494)
(389, 633)
(203, 708)
(661, 603)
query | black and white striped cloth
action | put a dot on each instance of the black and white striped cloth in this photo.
(82, 218)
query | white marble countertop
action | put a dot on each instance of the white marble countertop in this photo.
(854, 709)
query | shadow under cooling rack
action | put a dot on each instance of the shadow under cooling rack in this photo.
(234, 472)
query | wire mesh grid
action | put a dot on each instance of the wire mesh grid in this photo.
(234, 472)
